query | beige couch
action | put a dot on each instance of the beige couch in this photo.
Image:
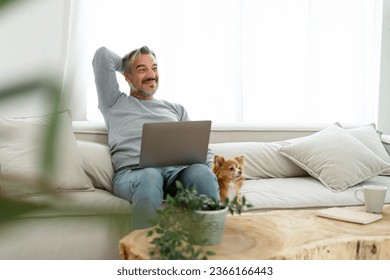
(88, 223)
(275, 180)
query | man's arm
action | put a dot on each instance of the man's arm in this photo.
(105, 64)
(210, 158)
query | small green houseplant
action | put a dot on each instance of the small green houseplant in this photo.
(189, 221)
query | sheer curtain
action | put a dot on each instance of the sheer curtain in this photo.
(256, 62)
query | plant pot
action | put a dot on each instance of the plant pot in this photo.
(207, 227)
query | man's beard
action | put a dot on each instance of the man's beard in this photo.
(144, 92)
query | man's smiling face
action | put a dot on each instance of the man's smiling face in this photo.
(143, 78)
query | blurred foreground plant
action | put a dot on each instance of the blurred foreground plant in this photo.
(11, 208)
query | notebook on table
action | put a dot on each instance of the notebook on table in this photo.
(349, 215)
(174, 143)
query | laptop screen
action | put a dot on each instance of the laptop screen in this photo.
(174, 143)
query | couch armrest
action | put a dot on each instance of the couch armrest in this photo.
(90, 131)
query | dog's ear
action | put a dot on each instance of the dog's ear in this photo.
(240, 159)
(218, 160)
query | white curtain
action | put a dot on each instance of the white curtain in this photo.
(261, 62)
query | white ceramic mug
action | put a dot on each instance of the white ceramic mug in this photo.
(374, 197)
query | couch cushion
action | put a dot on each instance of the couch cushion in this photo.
(23, 142)
(301, 192)
(261, 159)
(336, 158)
(61, 204)
(97, 164)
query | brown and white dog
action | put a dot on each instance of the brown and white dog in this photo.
(230, 176)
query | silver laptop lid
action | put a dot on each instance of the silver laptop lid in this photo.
(174, 143)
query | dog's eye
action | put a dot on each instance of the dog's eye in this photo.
(231, 168)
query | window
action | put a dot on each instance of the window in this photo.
(245, 61)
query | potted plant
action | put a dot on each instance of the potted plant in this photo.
(188, 221)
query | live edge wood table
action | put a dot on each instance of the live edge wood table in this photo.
(287, 234)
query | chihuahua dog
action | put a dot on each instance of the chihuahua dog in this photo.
(230, 176)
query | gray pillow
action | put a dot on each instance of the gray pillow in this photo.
(21, 154)
(335, 158)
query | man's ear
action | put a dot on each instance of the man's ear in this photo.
(127, 76)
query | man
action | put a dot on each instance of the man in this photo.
(124, 116)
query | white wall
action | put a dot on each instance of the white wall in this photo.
(33, 37)
(384, 97)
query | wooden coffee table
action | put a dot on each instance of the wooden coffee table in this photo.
(287, 234)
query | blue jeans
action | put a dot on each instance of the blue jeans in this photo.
(146, 188)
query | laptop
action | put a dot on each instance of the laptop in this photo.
(174, 143)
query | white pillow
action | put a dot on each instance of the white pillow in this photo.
(262, 159)
(370, 137)
(336, 158)
(22, 143)
(97, 164)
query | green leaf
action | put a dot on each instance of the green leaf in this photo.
(4, 2)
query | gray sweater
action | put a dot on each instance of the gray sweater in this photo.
(125, 115)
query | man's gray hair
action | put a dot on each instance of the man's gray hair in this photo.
(128, 59)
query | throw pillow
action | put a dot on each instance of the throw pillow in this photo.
(262, 159)
(335, 158)
(370, 137)
(22, 145)
(97, 163)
